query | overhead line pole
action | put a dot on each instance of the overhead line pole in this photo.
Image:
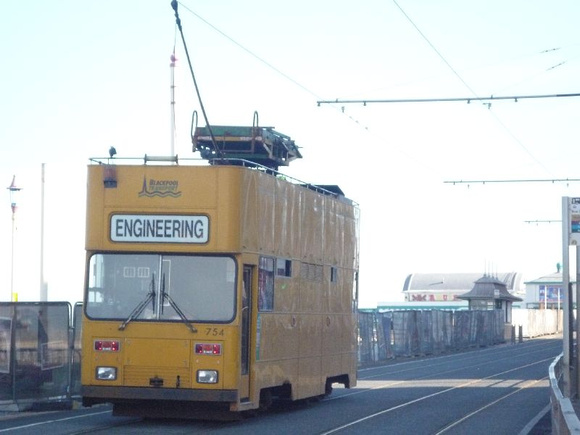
(567, 331)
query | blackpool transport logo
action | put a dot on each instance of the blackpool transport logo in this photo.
(162, 188)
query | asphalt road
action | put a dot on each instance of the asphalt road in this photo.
(496, 390)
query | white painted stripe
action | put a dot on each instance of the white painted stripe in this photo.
(27, 426)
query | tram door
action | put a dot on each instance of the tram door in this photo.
(246, 325)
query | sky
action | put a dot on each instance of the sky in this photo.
(81, 76)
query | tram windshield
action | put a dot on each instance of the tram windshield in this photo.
(183, 288)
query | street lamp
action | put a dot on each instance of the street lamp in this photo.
(13, 191)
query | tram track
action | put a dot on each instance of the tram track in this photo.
(433, 363)
(450, 394)
(535, 355)
(48, 422)
(436, 361)
(528, 384)
(105, 429)
(438, 393)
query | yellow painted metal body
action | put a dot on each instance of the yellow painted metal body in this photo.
(304, 339)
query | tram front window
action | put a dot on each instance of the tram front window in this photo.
(135, 287)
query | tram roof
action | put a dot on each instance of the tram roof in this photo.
(328, 189)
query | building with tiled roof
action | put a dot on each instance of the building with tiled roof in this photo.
(489, 293)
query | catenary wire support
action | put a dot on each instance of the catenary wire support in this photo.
(545, 180)
(515, 98)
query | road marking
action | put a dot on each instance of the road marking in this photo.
(27, 426)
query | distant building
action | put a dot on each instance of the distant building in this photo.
(444, 288)
(546, 292)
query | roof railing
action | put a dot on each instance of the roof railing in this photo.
(221, 161)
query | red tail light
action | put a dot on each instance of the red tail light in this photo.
(107, 345)
(208, 349)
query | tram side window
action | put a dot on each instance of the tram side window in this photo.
(355, 293)
(333, 274)
(266, 284)
(283, 267)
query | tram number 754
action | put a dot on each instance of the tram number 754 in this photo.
(214, 332)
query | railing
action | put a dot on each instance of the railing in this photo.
(385, 335)
(40, 346)
(564, 418)
(192, 161)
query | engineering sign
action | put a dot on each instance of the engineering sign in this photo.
(159, 228)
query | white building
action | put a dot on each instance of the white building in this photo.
(434, 288)
(546, 292)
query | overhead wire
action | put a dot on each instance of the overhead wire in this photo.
(429, 77)
(540, 72)
(251, 53)
(341, 110)
(434, 48)
(517, 140)
(266, 63)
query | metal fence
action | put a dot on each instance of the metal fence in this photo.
(37, 362)
(40, 345)
(536, 323)
(385, 335)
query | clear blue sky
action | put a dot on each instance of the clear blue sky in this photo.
(80, 76)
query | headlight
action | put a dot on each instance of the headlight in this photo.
(207, 376)
(106, 373)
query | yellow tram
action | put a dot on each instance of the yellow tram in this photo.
(215, 287)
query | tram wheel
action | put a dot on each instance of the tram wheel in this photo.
(265, 399)
(328, 388)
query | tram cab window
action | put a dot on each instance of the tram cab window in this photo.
(159, 287)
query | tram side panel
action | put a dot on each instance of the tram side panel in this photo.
(309, 335)
(339, 326)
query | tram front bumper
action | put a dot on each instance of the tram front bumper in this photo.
(98, 394)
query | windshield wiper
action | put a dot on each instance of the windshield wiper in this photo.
(174, 306)
(139, 308)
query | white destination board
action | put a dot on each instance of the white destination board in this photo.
(159, 228)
